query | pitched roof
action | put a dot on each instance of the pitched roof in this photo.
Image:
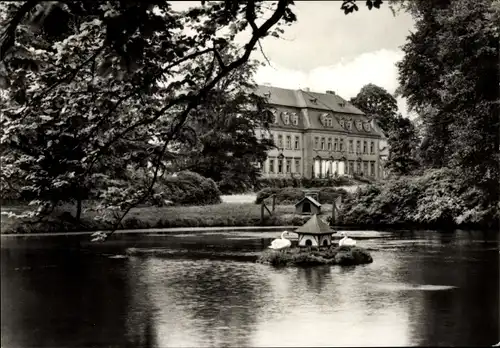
(306, 99)
(313, 201)
(314, 226)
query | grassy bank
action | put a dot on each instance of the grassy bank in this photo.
(218, 215)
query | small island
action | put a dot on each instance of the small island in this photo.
(343, 255)
(314, 247)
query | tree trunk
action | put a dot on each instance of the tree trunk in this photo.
(78, 209)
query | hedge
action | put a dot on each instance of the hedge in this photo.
(291, 195)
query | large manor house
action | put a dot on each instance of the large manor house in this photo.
(319, 135)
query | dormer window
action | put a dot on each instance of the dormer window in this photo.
(275, 115)
(326, 120)
(267, 94)
(342, 104)
(314, 100)
(349, 125)
(295, 119)
(342, 123)
(286, 118)
(366, 126)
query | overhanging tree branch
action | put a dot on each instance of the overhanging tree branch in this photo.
(194, 100)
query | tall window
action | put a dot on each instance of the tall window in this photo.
(341, 145)
(358, 146)
(280, 166)
(322, 143)
(280, 141)
(295, 119)
(288, 165)
(351, 167)
(288, 142)
(316, 142)
(351, 147)
(271, 166)
(358, 167)
(329, 147)
(297, 142)
(336, 144)
(372, 148)
(365, 168)
(372, 168)
(365, 147)
(297, 166)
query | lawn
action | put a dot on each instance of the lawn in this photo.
(218, 215)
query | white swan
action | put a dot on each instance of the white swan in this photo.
(280, 243)
(346, 240)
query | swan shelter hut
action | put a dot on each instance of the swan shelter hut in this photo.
(315, 232)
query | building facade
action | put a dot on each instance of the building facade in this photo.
(319, 135)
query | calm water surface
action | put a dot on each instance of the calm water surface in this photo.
(423, 288)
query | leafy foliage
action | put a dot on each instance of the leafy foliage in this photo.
(95, 92)
(403, 144)
(187, 188)
(227, 146)
(378, 104)
(439, 197)
(382, 106)
(291, 195)
(305, 182)
(458, 65)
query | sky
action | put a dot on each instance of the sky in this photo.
(328, 50)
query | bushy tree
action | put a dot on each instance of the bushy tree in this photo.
(224, 144)
(377, 104)
(91, 89)
(401, 133)
(451, 69)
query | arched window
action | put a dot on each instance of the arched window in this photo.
(309, 243)
(295, 119)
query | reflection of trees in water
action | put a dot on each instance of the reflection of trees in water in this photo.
(197, 302)
(467, 315)
(62, 298)
(315, 277)
(225, 296)
(140, 322)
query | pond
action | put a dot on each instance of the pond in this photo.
(424, 288)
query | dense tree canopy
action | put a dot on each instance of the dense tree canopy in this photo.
(94, 90)
(378, 104)
(450, 75)
(226, 145)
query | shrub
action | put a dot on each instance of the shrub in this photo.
(291, 195)
(438, 197)
(188, 188)
(305, 182)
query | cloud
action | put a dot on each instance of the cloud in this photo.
(344, 78)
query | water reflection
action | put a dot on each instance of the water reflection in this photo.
(424, 289)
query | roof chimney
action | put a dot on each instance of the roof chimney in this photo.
(330, 92)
